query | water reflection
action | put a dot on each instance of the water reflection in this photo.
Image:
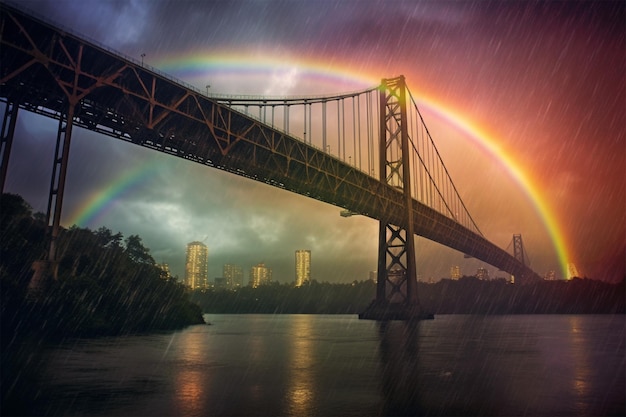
(192, 381)
(581, 369)
(189, 392)
(399, 351)
(301, 392)
(303, 365)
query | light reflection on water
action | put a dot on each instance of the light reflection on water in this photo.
(301, 365)
(191, 382)
(301, 394)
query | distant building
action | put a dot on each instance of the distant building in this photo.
(260, 275)
(197, 266)
(373, 275)
(221, 284)
(482, 273)
(455, 272)
(550, 276)
(303, 267)
(165, 271)
(233, 275)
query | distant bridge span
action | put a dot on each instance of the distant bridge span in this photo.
(50, 71)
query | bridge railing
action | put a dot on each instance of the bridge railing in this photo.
(342, 125)
(102, 46)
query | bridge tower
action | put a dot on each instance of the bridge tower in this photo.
(396, 287)
(518, 249)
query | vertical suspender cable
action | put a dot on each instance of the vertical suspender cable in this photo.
(338, 132)
(343, 129)
(354, 131)
(304, 112)
(324, 126)
(358, 112)
(370, 138)
(310, 123)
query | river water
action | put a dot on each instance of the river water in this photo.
(312, 365)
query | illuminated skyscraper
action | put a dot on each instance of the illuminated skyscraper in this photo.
(165, 271)
(303, 267)
(233, 275)
(455, 272)
(197, 266)
(482, 273)
(260, 275)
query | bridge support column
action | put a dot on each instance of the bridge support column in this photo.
(47, 269)
(8, 131)
(396, 287)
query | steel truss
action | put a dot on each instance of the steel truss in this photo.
(49, 71)
(396, 287)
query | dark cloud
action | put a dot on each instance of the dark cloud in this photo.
(543, 79)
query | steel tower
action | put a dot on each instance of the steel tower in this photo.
(396, 288)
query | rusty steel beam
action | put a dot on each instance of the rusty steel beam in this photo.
(44, 68)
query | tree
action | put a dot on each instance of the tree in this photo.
(107, 239)
(137, 252)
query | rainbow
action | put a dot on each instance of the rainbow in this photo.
(96, 206)
(489, 144)
(238, 66)
(194, 66)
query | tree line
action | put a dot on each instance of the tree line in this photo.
(468, 295)
(107, 284)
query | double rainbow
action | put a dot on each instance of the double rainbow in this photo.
(193, 66)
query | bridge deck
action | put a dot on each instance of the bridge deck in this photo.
(45, 69)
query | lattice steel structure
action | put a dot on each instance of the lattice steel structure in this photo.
(396, 287)
(52, 72)
(518, 249)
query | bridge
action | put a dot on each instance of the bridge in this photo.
(368, 152)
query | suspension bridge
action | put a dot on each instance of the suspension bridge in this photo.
(368, 152)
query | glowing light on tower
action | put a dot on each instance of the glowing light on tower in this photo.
(303, 267)
(196, 266)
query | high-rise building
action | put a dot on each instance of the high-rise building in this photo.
(233, 275)
(221, 283)
(303, 267)
(260, 275)
(197, 266)
(455, 272)
(482, 273)
(165, 271)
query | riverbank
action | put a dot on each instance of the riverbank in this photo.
(467, 295)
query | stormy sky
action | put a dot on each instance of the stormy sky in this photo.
(544, 81)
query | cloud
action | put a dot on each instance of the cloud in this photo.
(466, 54)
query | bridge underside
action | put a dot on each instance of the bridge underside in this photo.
(47, 71)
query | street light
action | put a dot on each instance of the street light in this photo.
(142, 56)
(207, 89)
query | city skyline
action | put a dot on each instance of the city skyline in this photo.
(541, 83)
(259, 273)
